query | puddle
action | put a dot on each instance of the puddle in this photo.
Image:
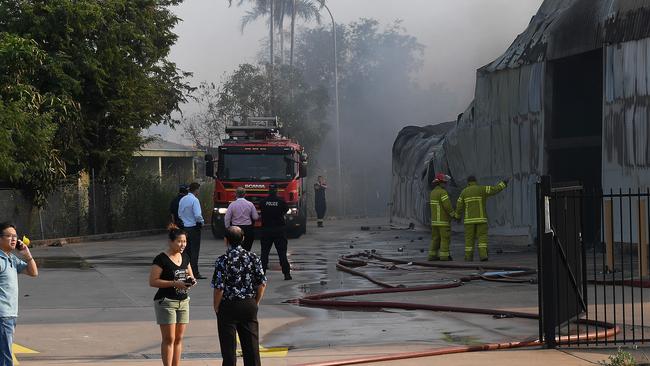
(450, 337)
(63, 262)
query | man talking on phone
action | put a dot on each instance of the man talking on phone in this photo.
(10, 266)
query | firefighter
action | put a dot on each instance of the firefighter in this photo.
(472, 201)
(441, 213)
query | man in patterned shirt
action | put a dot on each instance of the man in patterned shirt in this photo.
(238, 284)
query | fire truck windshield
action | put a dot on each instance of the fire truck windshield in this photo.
(254, 167)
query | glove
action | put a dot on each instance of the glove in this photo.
(506, 180)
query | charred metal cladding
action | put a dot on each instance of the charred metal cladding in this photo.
(569, 98)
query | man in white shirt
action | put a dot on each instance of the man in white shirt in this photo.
(242, 213)
(189, 212)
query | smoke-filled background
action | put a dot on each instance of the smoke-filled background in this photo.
(409, 62)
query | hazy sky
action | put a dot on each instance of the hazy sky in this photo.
(459, 35)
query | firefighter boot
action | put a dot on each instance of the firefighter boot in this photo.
(445, 237)
(435, 243)
(482, 231)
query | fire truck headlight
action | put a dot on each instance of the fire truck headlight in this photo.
(292, 211)
(221, 210)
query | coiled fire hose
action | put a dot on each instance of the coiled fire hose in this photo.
(346, 262)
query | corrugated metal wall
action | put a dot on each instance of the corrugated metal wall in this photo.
(502, 136)
(626, 156)
(499, 136)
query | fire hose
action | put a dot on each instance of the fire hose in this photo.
(325, 300)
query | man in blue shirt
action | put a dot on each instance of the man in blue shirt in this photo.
(10, 266)
(189, 211)
(239, 285)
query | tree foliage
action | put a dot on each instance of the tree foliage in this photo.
(29, 118)
(379, 94)
(110, 59)
(300, 107)
(206, 127)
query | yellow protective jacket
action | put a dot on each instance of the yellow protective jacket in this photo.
(472, 201)
(441, 210)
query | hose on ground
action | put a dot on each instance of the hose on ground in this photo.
(325, 300)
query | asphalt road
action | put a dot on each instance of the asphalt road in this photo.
(92, 304)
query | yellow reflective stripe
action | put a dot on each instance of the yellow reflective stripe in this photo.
(444, 198)
(488, 189)
(482, 245)
(469, 249)
(440, 223)
(480, 220)
(473, 199)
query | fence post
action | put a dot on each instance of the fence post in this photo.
(609, 235)
(546, 251)
(643, 240)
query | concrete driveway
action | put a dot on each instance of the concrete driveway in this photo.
(92, 304)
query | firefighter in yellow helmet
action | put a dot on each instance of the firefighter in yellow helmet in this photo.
(441, 214)
(472, 201)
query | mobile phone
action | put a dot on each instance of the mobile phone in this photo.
(190, 281)
(20, 245)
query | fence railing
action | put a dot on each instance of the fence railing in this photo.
(594, 265)
(84, 206)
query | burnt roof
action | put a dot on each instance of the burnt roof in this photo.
(563, 28)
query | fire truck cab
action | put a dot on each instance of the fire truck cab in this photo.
(254, 156)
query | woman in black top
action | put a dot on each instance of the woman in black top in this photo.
(171, 273)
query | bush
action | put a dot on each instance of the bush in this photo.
(620, 358)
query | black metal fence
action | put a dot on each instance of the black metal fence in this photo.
(594, 284)
(87, 206)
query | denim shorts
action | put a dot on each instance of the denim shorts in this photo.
(169, 311)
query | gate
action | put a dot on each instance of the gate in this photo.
(593, 265)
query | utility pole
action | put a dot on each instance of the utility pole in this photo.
(338, 118)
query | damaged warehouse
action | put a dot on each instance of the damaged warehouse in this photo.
(569, 98)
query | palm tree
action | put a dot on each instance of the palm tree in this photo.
(307, 10)
(260, 8)
(277, 10)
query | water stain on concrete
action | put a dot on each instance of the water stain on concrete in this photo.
(450, 337)
(63, 262)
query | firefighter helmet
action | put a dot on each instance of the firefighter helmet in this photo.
(441, 178)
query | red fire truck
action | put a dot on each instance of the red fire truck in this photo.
(255, 156)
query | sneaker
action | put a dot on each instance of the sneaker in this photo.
(287, 277)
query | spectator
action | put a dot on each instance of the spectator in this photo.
(171, 273)
(320, 204)
(242, 213)
(239, 285)
(10, 266)
(189, 211)
(173, 206)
